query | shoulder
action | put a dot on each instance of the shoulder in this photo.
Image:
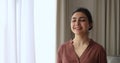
(99, 52)
(65, 45)
(97, 46)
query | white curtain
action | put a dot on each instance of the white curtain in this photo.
(17, 31)
(27, 31)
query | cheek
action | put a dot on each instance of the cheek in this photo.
(71, 26)
(85, 25)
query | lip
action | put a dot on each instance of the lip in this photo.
(77, 28)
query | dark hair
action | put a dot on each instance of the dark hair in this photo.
(87, 13)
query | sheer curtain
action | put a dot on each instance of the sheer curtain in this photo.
(27, 31)
(7, 32)
(45, 30)
(16, 31)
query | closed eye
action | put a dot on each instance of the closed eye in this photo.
(73, 20)
(82, 20)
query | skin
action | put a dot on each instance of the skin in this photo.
(80, 27)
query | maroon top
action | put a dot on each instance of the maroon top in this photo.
(94, 53)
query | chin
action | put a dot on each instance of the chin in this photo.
(78, 33)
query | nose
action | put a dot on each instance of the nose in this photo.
(77, 22)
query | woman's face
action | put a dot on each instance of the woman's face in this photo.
(79, 23)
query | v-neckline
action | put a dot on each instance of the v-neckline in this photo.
(84, 52)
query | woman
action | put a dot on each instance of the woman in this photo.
(81, 49)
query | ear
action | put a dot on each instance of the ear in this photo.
(90, 26)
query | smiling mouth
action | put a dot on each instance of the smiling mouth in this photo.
(77, 28)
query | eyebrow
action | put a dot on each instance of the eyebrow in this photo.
(79, 18)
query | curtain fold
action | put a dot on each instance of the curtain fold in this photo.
(27, 51)
(2, 27)
(10, 33)
(112, 27)
(107, 30)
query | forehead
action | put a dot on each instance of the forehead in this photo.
(79, 14)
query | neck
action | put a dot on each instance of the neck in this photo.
(81, 39)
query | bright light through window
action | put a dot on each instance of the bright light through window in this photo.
(45, 30)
